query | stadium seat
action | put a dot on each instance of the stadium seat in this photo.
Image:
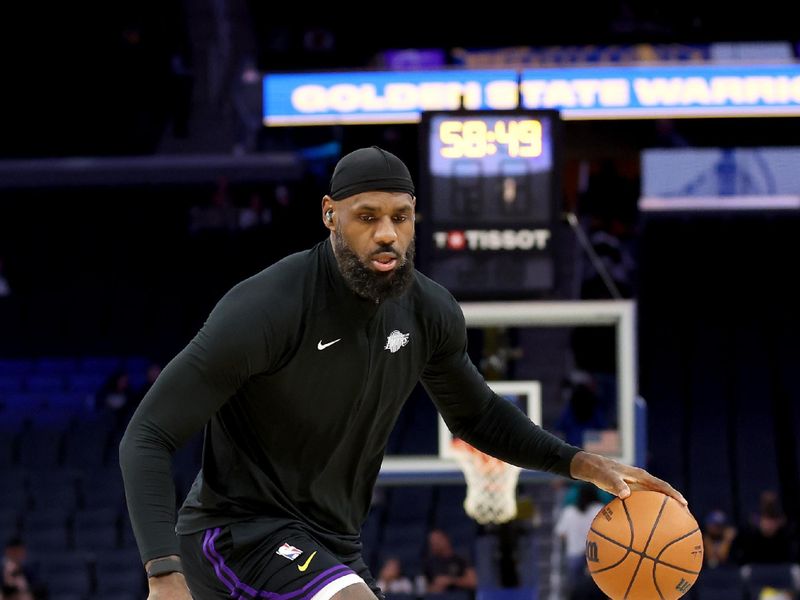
(85, 383)
(409, 504)
(104, 365)
(10, 384)
(719, 581)
(19, 366)
(778, 576)
(102, 488)
(454, 595)
(86, 444)
(54, 488)
(55, 366)
(98, 539)
(116, 596)
(47, 540)
(7, 449)
(40, 448)
(44, 384)
(117, 582)
(13, 498)
(71, 582)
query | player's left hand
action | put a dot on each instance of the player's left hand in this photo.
(617, 478)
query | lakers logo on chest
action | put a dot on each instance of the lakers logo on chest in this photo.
(396, 340)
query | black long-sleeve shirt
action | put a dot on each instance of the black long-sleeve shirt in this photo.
(299, 383)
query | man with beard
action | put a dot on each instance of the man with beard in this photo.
(298, 376)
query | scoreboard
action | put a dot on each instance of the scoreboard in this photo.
(491, 180)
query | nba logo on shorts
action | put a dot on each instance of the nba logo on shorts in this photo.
(289, 552)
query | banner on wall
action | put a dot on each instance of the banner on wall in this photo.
(624, 92)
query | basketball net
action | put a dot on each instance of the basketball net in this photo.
(491, 484)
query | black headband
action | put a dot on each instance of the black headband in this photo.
(369, 170)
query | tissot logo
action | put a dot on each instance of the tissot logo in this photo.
(492, 239)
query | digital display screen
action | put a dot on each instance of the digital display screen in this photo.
(492, 185)
(503, 144)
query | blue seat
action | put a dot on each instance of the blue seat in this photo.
(116, 596)
(398, 596)
(485, 563)
(714, 583)
(779, 576)
(53, 417)
(44, 384)
(56, 366)
(21, 366)
(97, 539)
(104, 365)
(131, 581)
(454, 595)
(65, 596)
(73, 401)
(9, 522)
(136, 364)
(97, 517)
(412, 503)
(14, 498)
(103, 488)
(47, 540)
(10, 384)
(85, 383)
(86, 444)
(47, 518)
(77, 583)
(8, 449)
(28, 401)
(119, 559)
(40, 448)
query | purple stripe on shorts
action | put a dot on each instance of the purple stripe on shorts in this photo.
(314, 586)
(238, 589)
(206, 541)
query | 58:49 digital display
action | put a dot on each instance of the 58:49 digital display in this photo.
(476, 138)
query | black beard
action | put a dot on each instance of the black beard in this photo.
(368, 283)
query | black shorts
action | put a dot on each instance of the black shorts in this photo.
(252, 560)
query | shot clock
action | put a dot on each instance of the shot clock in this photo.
(491, 182)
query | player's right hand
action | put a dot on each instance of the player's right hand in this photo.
(617, 478)
(169, 587)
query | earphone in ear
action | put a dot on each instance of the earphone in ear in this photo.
(329, 216)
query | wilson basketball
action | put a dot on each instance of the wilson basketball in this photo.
(646, 546)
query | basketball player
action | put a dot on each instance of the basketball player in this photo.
(298, 376)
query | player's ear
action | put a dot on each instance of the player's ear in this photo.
(328, 212)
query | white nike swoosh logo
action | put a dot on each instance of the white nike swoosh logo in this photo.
(321, 346)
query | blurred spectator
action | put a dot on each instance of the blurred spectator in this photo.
(718, 536)
(5, 288)
(246, 101)
(572, 527)
(255, 213)
(392, 580)
(582, 412)
(152, 373)
(220, 215)
(116, 397)
(17, 580)
(768, 539)
(445, 570)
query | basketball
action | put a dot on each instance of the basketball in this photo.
(643, 547)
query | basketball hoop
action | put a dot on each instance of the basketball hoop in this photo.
(491, 484)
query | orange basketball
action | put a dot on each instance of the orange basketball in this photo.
(645, 547)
